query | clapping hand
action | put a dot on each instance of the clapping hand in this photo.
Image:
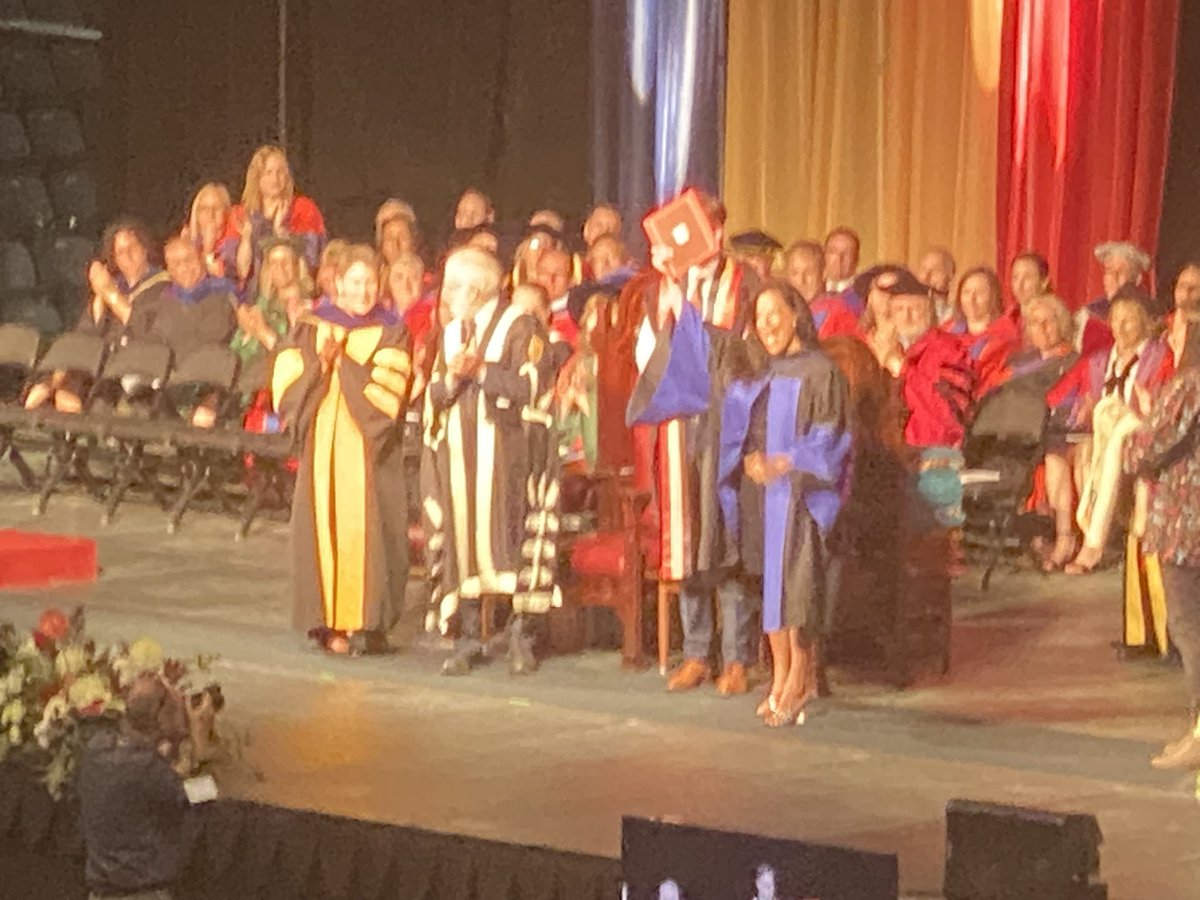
(100, 279)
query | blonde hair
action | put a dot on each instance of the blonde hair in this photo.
(1055, 306)
(213, 187)
(251, 194)
(411, 260)
(357, 253)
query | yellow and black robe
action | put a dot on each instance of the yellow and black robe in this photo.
(349, 536)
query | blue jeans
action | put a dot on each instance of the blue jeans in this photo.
(696, 612)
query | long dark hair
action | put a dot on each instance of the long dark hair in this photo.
(749, 358)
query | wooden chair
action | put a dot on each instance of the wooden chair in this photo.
(608, 564)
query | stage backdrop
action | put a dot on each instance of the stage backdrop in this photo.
(1085, 117)
(877, 115)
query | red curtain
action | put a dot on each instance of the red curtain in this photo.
(1085, 108)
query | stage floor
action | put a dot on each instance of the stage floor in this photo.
(1037, 712)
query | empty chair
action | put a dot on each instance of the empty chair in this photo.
(77, 67)
(54, 134)
(27, 75)
(17, 273)
(64, 260)
(25, 209)
(14, 145)
(18, 353)
(36, 311)
(74, 197)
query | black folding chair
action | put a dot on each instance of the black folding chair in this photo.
(129, 394)
(73, 195)
(27, 75)
(14, 144)
(68, 437)
(1002, 450)
(25, 209)
(54, 134)
(77, 67)
(33, 309)
(205, 378)
(19, 346)
(17, 273)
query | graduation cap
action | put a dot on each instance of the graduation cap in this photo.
(754, 242)
(905, 284)
(861, 285)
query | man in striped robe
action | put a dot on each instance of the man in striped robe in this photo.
(487, 503)
(676, 406)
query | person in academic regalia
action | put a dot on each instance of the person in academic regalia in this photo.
(270, 206)
(988, 335)
(785, 427)
(124, 274)
(755, 249)
(683, 357)
(341, 382)
(489, 375)
(195, 309)
(208, 217)
(935, 269)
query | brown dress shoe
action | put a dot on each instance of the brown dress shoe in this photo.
(733, 681)
(691, 674)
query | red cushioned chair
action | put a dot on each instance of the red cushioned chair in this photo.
(608, 564)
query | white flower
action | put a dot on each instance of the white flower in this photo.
(70, 661)
(15, 681)
(13, 713)
(14, 735)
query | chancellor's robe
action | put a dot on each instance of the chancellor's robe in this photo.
(349, 534)
(481, 477)
(799, 409)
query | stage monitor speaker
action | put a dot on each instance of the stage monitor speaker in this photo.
(996, 852)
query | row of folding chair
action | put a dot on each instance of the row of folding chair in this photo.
(39, 72)
(131, 433)
(32, 208)
(52, 136)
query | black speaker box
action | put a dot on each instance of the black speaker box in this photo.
(996, 852)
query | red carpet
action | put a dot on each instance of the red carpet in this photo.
(36, 560)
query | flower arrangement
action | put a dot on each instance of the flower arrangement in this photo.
(57, 687)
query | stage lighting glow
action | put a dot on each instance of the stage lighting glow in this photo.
(641, 18)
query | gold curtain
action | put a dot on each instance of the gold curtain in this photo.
(878, 114)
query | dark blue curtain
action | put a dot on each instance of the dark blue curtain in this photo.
(658, 78)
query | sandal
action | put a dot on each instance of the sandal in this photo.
(1090, 560)
(1065, 550)
(769, 704)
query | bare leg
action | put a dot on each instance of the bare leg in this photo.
(781, 658)
(797, 687)
(1060, 492)
(67, 402)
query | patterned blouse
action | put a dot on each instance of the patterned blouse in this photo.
(1167, 452)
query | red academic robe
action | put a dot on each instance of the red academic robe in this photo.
(936, 386)
(988, 351)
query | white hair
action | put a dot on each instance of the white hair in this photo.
(486, 272)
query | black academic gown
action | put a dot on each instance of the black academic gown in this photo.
(349, 517)
(797, 408)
